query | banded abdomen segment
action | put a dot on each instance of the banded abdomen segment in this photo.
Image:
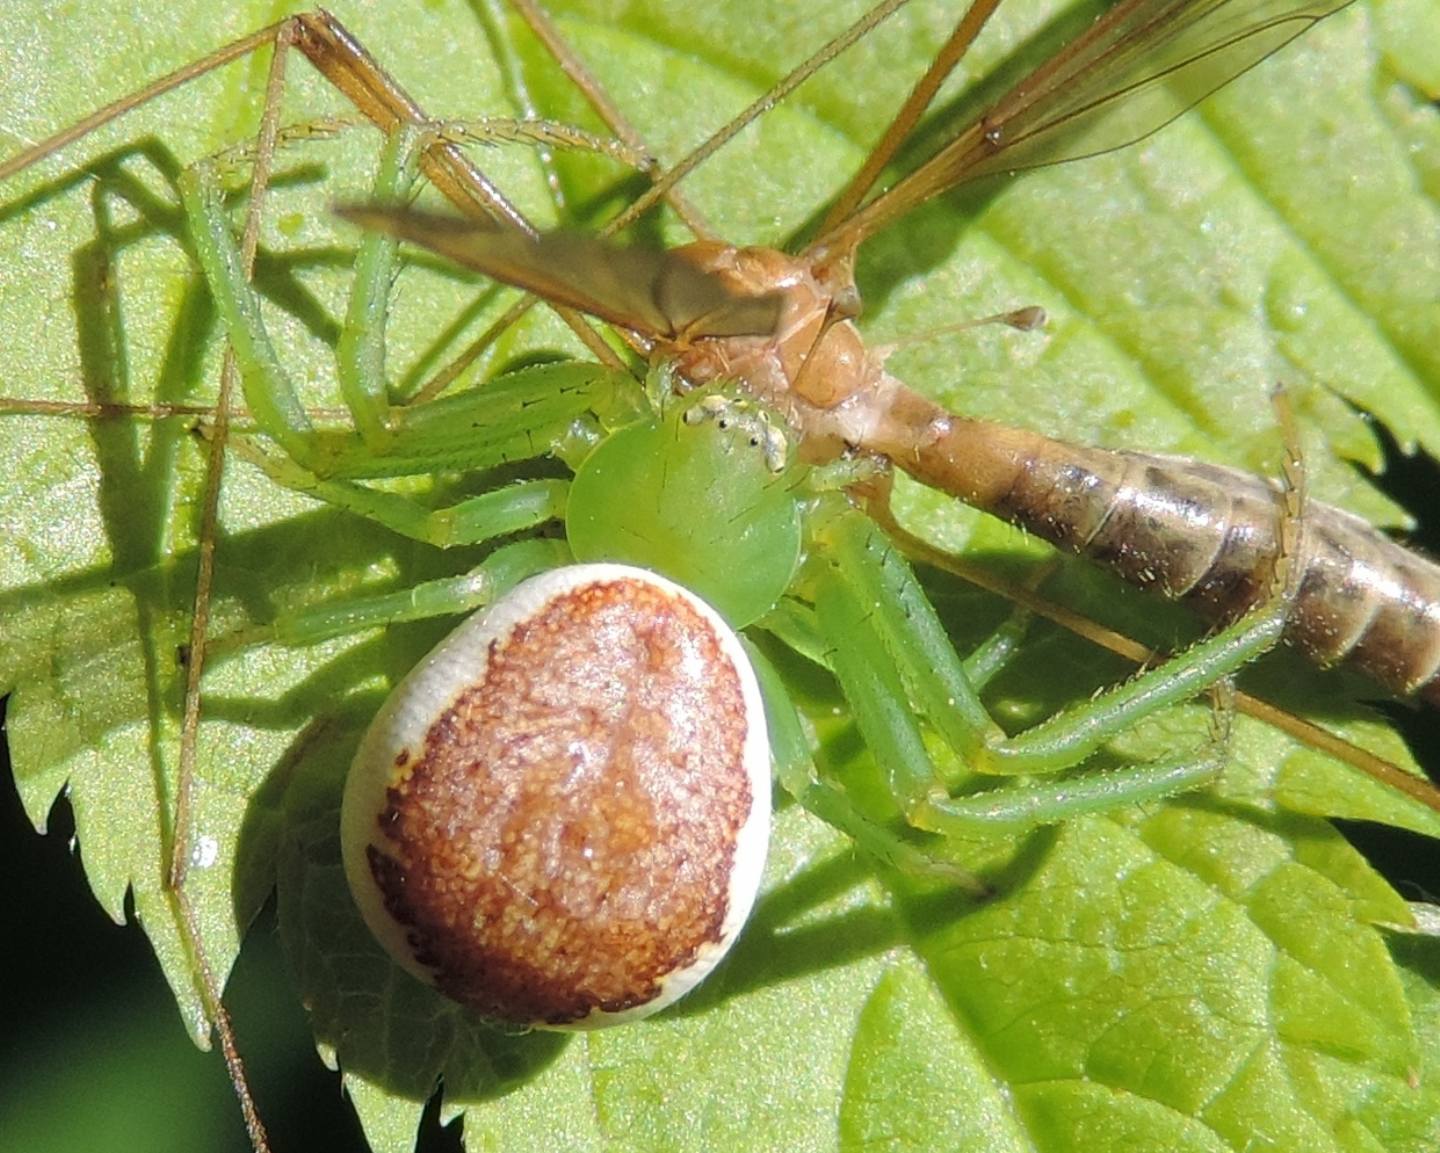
(1196, 531)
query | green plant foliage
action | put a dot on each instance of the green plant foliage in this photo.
(1212, 974)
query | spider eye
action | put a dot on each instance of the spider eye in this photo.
(560, 816)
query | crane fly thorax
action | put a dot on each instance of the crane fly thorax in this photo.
(813, 369)
(767, 362)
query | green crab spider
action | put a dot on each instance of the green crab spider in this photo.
(699, 488)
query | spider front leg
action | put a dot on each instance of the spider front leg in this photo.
(525, 415)
(900, 674)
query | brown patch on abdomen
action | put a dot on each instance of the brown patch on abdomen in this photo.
(566, 837)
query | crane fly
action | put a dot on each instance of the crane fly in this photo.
(1194, 531)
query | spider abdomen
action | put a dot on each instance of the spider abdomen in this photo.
(560, 816)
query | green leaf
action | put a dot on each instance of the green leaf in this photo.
(1209, 905)
(1205, 975)
(916, 1078)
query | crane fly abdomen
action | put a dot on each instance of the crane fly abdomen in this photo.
(1198, 532)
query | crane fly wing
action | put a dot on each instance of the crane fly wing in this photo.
(1138, 67)
(653, 292)
(1136, 71)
